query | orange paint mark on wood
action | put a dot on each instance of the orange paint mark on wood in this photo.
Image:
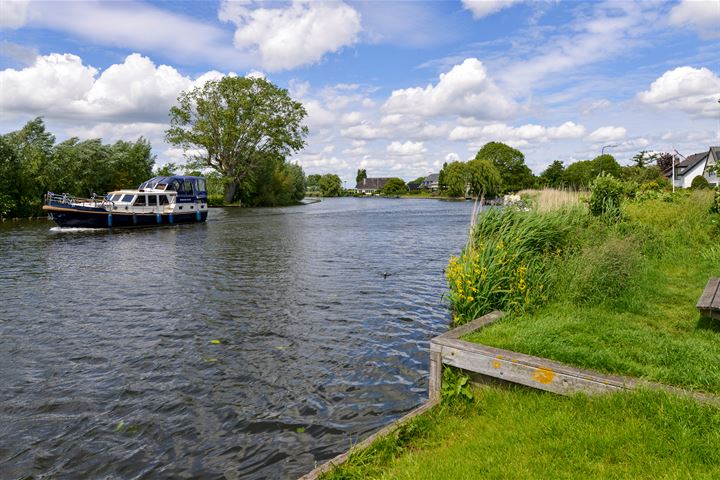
(496, 365)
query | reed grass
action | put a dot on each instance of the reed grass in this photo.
(549, 199)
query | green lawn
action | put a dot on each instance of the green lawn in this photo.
(521, 434)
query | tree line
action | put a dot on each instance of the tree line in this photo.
(32, 163)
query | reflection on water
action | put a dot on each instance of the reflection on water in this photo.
(252, 346)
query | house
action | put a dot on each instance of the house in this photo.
(412, 186)
(431, 182)
(368, 186)
(696, 165)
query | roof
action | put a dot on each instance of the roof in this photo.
(433, 177)
(690, 162)
(372, 183)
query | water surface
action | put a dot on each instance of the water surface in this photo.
(110, 364)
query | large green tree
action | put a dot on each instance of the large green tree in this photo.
(361, 175)
(552, 176)
(482, 178)
(330, 185)
(511, 165)
(237, 124)
(394, 186)
(455, 176)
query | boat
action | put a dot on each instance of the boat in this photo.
(158, 201)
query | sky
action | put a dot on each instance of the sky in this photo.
(394, 87)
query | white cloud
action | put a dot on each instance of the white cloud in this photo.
(525, 133)
(608, 134)
(692, 90)
(61, 86)
(596, 105)
(704, 15)
(452, 157)
(13, 13)
(407, 148)
(299, 34)
(363, 131)
(483, 8)
(466, 90)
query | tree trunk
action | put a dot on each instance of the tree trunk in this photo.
(230, 192)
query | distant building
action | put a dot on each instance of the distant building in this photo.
(431, 182)
(696, 165)
(412, 186)
(368, 186)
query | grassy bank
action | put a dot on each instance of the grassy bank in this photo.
(519, 433)
(615, 296)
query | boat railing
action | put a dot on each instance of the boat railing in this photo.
(93, 202)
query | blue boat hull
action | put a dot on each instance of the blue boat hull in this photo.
(99, 218)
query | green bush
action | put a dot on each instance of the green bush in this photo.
(715, 207)
(607, 273)
(606, 197)
(699, 182)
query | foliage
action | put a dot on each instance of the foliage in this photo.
(715, 206)
(511, 165)
(664, 161)
(394, 186)
(553, 175)
(361, 175)
(330, 185)
(313, 182)
(642, 175)
(606, 197)
(505, 265)
(454, 176)
(699, 182)
(647, 329)
(418, 180)
(31, 164)
(275, 182)
(581, 174)
(482, 178)
(455, 385)
(167, 170)
(643, 158)
(237, 124)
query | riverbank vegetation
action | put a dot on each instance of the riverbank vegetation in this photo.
(521, 433)
(33, 163)
(610, 287)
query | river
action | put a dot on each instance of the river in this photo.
(252, 346)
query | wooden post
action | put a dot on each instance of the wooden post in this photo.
(435, 380)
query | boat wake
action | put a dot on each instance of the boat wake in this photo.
(74, 229)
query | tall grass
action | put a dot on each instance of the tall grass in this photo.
(507, 262)
(549, 199)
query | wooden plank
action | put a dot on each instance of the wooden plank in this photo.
(343, 457)
(711, 290)
(537, 373)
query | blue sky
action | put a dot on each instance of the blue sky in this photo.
(397, 88)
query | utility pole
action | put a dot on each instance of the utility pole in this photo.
(602, 152)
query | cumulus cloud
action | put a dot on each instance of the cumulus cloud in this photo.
(692, 90)
(704, 15)
(465, 90)
(483, 8)
(364, 131)
(288, 37)
(608, 134)
(60, 85)
(519, 135)
(407, 148)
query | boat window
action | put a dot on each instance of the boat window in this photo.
(188, 187)
(115, 197)
(201, 184)
(174, 185)
(163, 200)
(127, 198)
(161, 186)
(152, 200)
(140, 201)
